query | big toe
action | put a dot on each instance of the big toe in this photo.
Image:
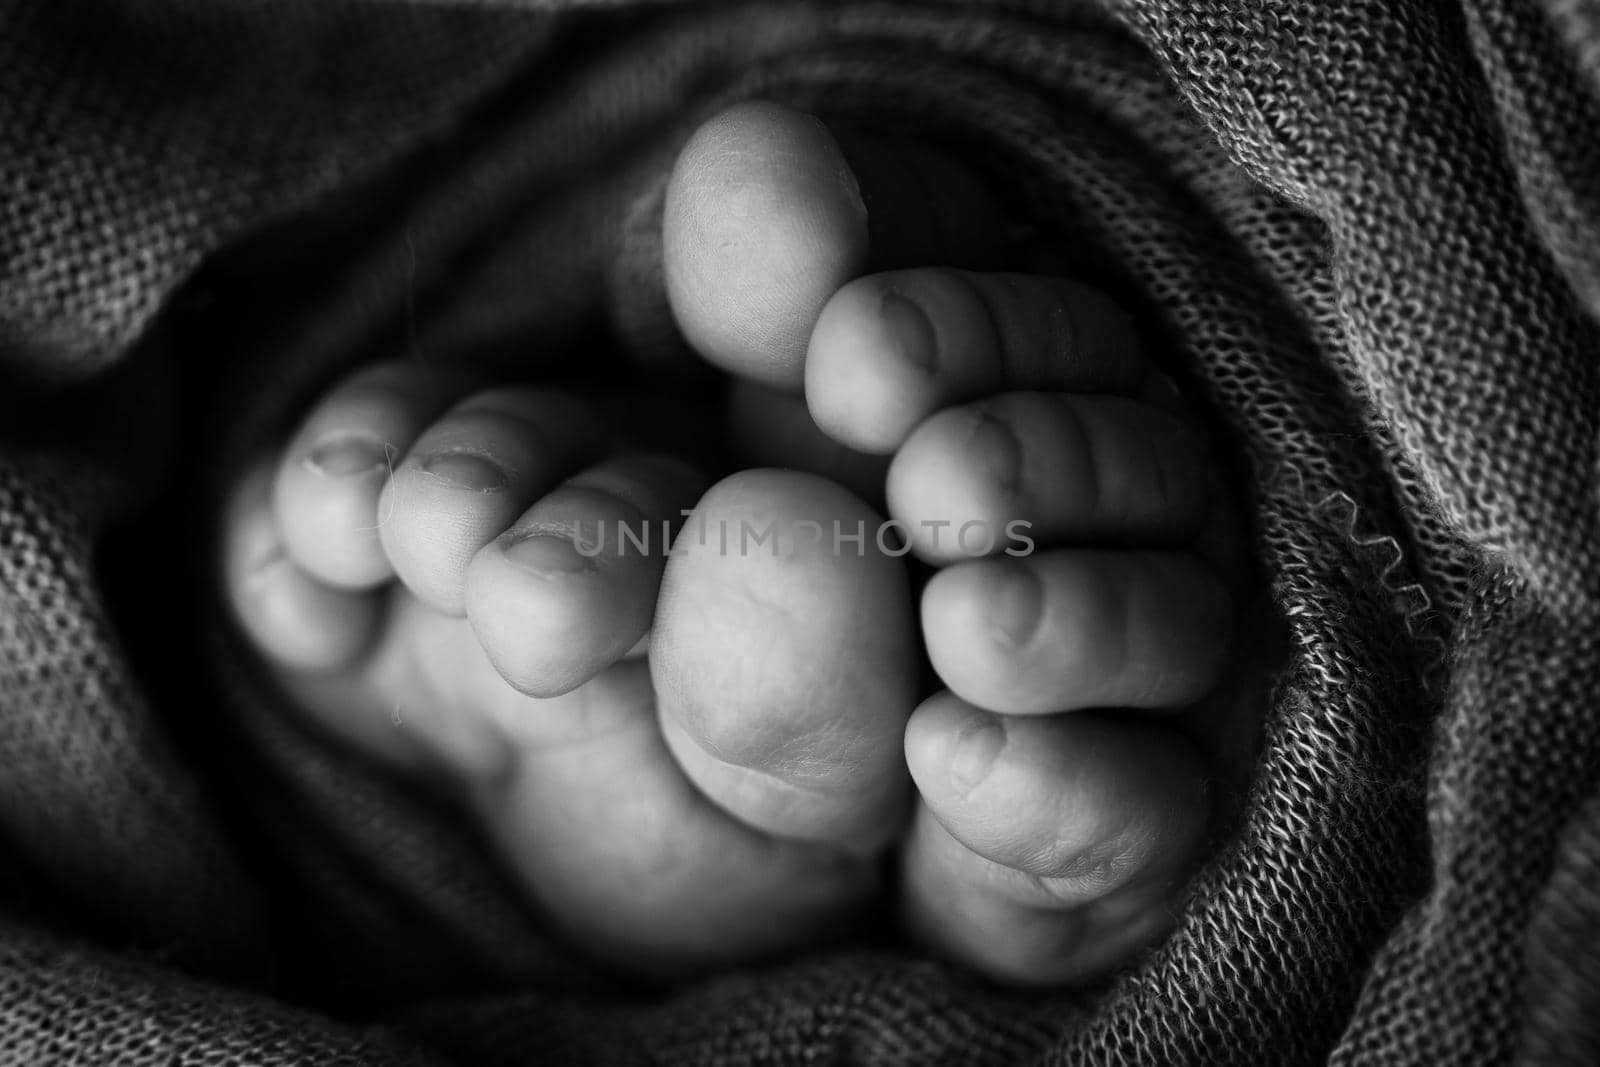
(783, 659)
(769, 211)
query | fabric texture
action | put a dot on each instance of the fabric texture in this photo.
(1366, 233)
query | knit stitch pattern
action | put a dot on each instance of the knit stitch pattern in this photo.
(1364, 234)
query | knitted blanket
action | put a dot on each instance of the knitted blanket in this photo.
(1365, 233)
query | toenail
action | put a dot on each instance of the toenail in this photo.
(975, 749)
(466, 470)
(348, 454)
(548, 555)
(910, 330)
(1016, 606)
(993, 440)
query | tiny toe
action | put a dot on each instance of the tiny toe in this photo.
(294, 620)
(571, 587)
(1046, 849)
(890, 349)
(469, 475)
(1058, 468)
(1008, 924)
(783, 659)
(1083, 803)
(763, 221)
(331, 474)
(1069, 629)
(769, 211)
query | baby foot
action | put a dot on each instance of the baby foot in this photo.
(1045, 846)
(461, 585)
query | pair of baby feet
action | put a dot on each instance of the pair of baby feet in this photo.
(704, 756)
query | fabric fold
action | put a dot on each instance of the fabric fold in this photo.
(1357, 231)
